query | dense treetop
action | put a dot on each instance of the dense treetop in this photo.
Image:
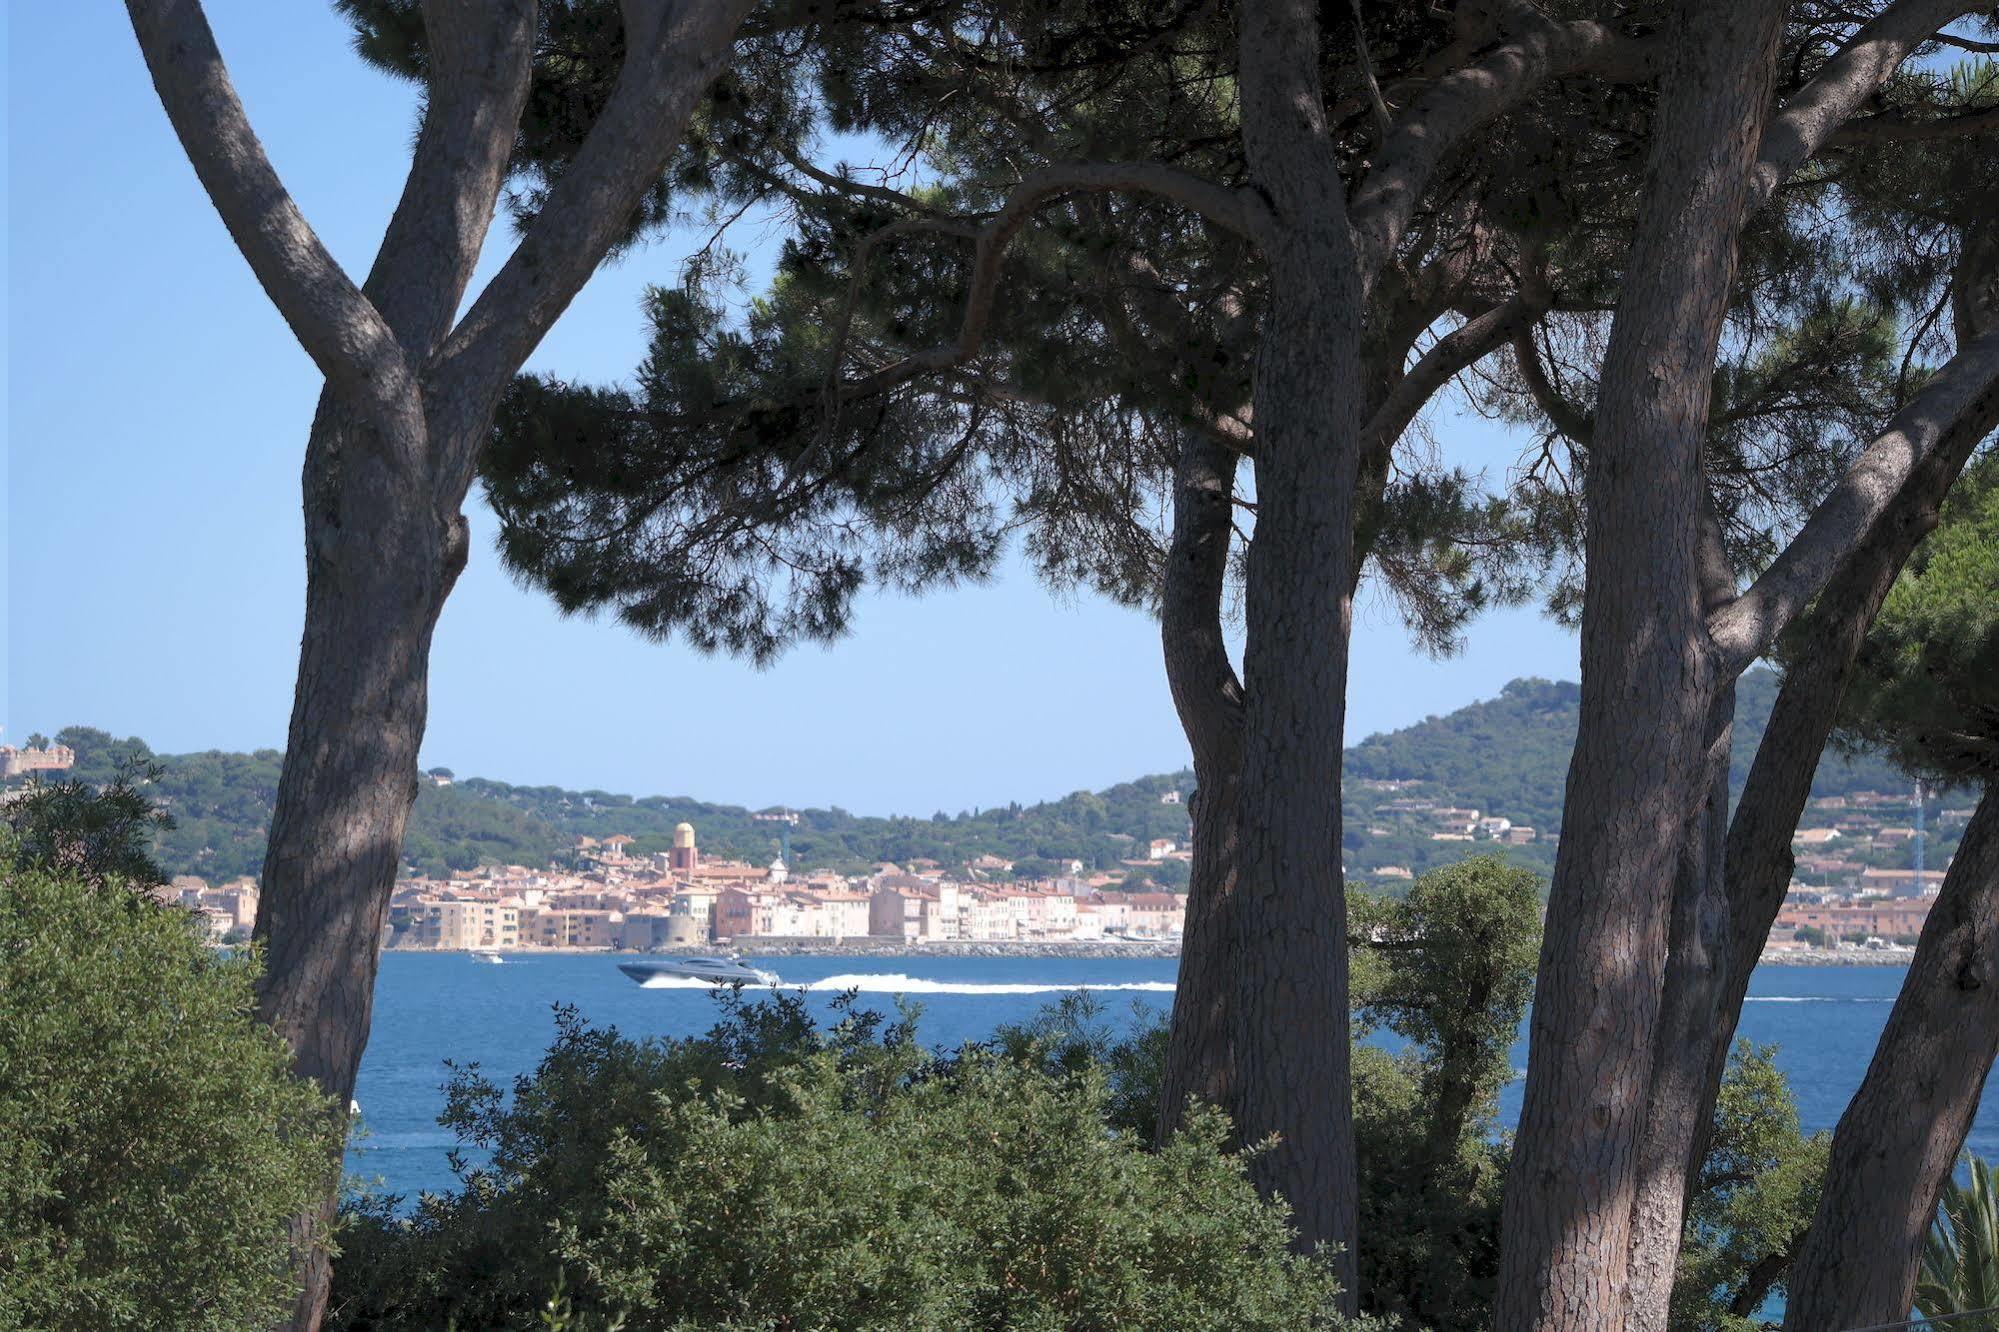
(1928, 682)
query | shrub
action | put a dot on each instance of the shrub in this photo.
(771, 1175)
(153, 1141)
(1753, 1201)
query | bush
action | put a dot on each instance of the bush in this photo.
(153, 1142)
(770, 1175)
(1753, 1201)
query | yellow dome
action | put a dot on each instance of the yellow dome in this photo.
(683, 835)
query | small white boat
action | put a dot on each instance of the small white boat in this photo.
(489, 955)
(714, 970)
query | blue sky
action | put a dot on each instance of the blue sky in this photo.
(156, 414)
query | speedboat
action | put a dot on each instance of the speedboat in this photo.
(714, 970)
(487, 955)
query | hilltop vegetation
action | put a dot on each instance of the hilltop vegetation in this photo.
(221, 803)
(1506, 755)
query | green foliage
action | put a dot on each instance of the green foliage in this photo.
(1753, 1202)
(1927, 683)
(1960, 1265)
(771, 1166)
(153, 1141)
(1073, 1036)
(773, 1175)
(94, 834)
(1450, 970)
(219, 803)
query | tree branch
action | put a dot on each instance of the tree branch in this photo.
(343, 333)
(1903, 129)
(1574, 423)
(673, 53)
(1814, 114)
(1967, 386)
(1235, 210)
(1460, 103)
(481, 60)
(1446, 358)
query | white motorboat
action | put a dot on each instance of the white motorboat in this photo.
(714, 970)
(491, 956)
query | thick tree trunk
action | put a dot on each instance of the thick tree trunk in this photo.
(380, 561)
(1208, 698)
(1288, 911)
(409, 400)
(1901, 1133)
(1650, 678)
(1705, 985)
(1697, 938)
(1200, 1058)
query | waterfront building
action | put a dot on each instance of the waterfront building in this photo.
(54, 758)
(466, 924)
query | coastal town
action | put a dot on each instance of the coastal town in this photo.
(1861, 882)
(613, 899)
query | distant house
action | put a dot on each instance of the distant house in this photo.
(1451, 819)
(1901, 882)
(1815, 836)
(1170, 798)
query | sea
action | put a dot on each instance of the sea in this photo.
(433, 1007)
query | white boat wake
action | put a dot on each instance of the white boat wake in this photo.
(897, 983)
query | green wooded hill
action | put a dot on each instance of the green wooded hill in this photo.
(1506, 755)
(1509, 756)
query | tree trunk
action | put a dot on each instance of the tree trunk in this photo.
(380, 559)
(1650, 677)
(1901, 1133)
(1288, 911)
(1697, 940)
(1200, 1059)
(1704, 990)
(1208, 698)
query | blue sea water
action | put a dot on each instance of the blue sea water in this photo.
(431, 1007)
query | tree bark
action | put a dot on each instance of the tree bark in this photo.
(407, 405)
(1901, 1133)
(1288, 910)
(1200, 1058)
(1707, 977)
(381, 558)
(1650, 680)
(1696, 937)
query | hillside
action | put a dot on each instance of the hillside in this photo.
(1509, 756)
(1506, 755)
(221, 803)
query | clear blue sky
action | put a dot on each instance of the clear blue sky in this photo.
(156, 413)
